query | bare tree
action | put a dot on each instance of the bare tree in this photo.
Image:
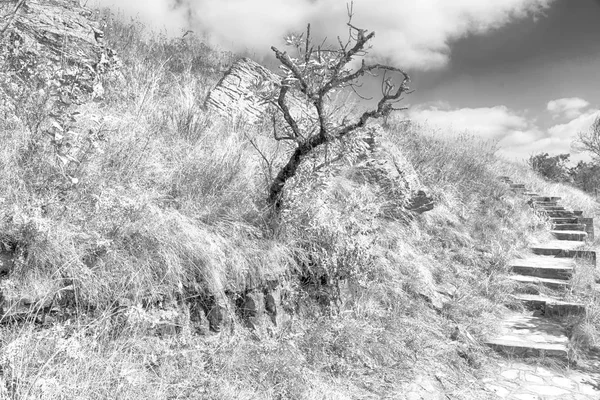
(315, 73)
(590, 140)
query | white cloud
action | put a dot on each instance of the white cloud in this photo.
(486, 122)
(413, 34)
(517, 136)
(569, 108)
(570, 129)
(522, 151)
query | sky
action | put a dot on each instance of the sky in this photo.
(521, 73)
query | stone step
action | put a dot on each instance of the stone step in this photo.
(545, 198)
(528, 281)
(550, 306)
(524, 335)
(543, 203)
(568, 227)
(563, 248)
(549, 208)
(564, 220)
(569, 235)
(560, 213)
(543, 267)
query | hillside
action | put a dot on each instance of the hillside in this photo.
(140, 260)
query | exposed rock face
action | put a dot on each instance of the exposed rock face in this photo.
(239, 93)
(52, 47)
(236, 92)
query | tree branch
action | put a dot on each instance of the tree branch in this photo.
(286, 112)
(289, 64)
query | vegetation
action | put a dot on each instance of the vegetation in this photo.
(168, 204)
(553, 168)
(317, 73)
(589, 141)
(584, 175)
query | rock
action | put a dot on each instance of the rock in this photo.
(253, 308)
(6, 262)
(434, 298)
(216, 317)
(197, 319)
(274, 307)
(250, 305)
(420, 203)
(446, 289)
(166, 320)
(271, 307)
(66, 298)
(54, 48)
(424, 388)
(240, 92)
(167, 328)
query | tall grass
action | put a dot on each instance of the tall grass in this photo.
(171, 204)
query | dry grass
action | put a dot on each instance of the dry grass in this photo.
(171, 203)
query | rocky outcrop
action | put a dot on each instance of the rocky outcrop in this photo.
(237, 92)
(244, 89)
(53, 48)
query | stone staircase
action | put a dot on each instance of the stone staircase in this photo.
(542, 280)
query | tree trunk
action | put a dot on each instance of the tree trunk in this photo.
(289, 170)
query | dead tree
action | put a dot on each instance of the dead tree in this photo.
(316, 72)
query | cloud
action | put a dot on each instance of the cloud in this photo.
(517, 136)
(411, 34)
(489, 123)
(569, 108)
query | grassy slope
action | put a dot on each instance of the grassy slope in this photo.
(173, 201)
